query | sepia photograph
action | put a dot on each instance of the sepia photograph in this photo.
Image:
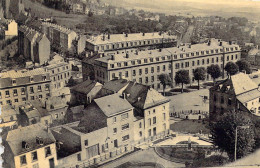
(129, 83)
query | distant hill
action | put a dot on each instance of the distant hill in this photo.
(251, 10)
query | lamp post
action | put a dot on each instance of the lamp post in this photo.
(245, 127)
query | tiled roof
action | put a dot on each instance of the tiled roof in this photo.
(28, 134)
(242, 83)
(113, 104)
(22, 73)
(116, 38)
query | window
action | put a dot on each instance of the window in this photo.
(23, 160)
(112, 66)
(152, 78)
(133, 62)
(150, 121)
(152, 69)
(146, 70)
(119, 64)
(113, 75)
(140, 80)
(164, 116)
(23, 99)
(125, 126)
(31, 79)
(157, 59)
(15, 92)
(124, 138)
(153, 110)
(145, 61)
(13, 81)
(114, 119)
(140, 125)
(229, 101)
(7, 94)
(158, 68)
(32, 97)
(154, 120)
(39, 88)
(16, 100)
(125, 64)
(79, 157)
(34, 156)
(151, 59)
(86, 142)
(164, 68)
(193, 63)
(124, 116)
(146, 79)
(177, 66)
(47, 87)
(215, 98)
(212, 60)
(134, 72)
(140, 71)
(47, 151)
(114, 130)
(126, 74)
(150, 132)
(198, 62)
(140, 133)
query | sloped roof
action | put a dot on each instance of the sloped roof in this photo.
(93, 119)
(142, 96)
(114, 38)
(7, 110)
(113, 104)
(86, 86)
(28, 134)
(248, 96)
(242, 83)
(115, 85)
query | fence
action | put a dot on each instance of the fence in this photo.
(112, 155)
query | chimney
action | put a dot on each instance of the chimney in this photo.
(189, 45)
(104, 37)
(126, 35)
(160, 50)
(143, 34)
(127, 55)
(220, 43)
(108, 36)
(25, 145)
(209, 43)
(230, 42)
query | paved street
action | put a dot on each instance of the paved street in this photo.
(148, 155)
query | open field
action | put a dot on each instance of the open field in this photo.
(68, 20)
(190, 126)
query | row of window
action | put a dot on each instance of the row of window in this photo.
(140, 61)
(31, 90)
(60, 77)
(44, 78)
(123, 117)
(23, 99)
(34, 156)
(128, 44)
(58, 69)
(163, 58)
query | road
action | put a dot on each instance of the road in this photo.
(187, 36)
(148, 155)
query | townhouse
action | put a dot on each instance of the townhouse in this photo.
(146, 66)
(19, 86)
(60, 72)
(30, 147)
(142, 117)
(237, 93)
(58, 35)
(9, 28)
(33, 45)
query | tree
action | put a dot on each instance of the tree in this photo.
(182, 76)
(231, 68)
(243, 65)
(224, 133)
(199, 74)
(214, 71)
(165, 80)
